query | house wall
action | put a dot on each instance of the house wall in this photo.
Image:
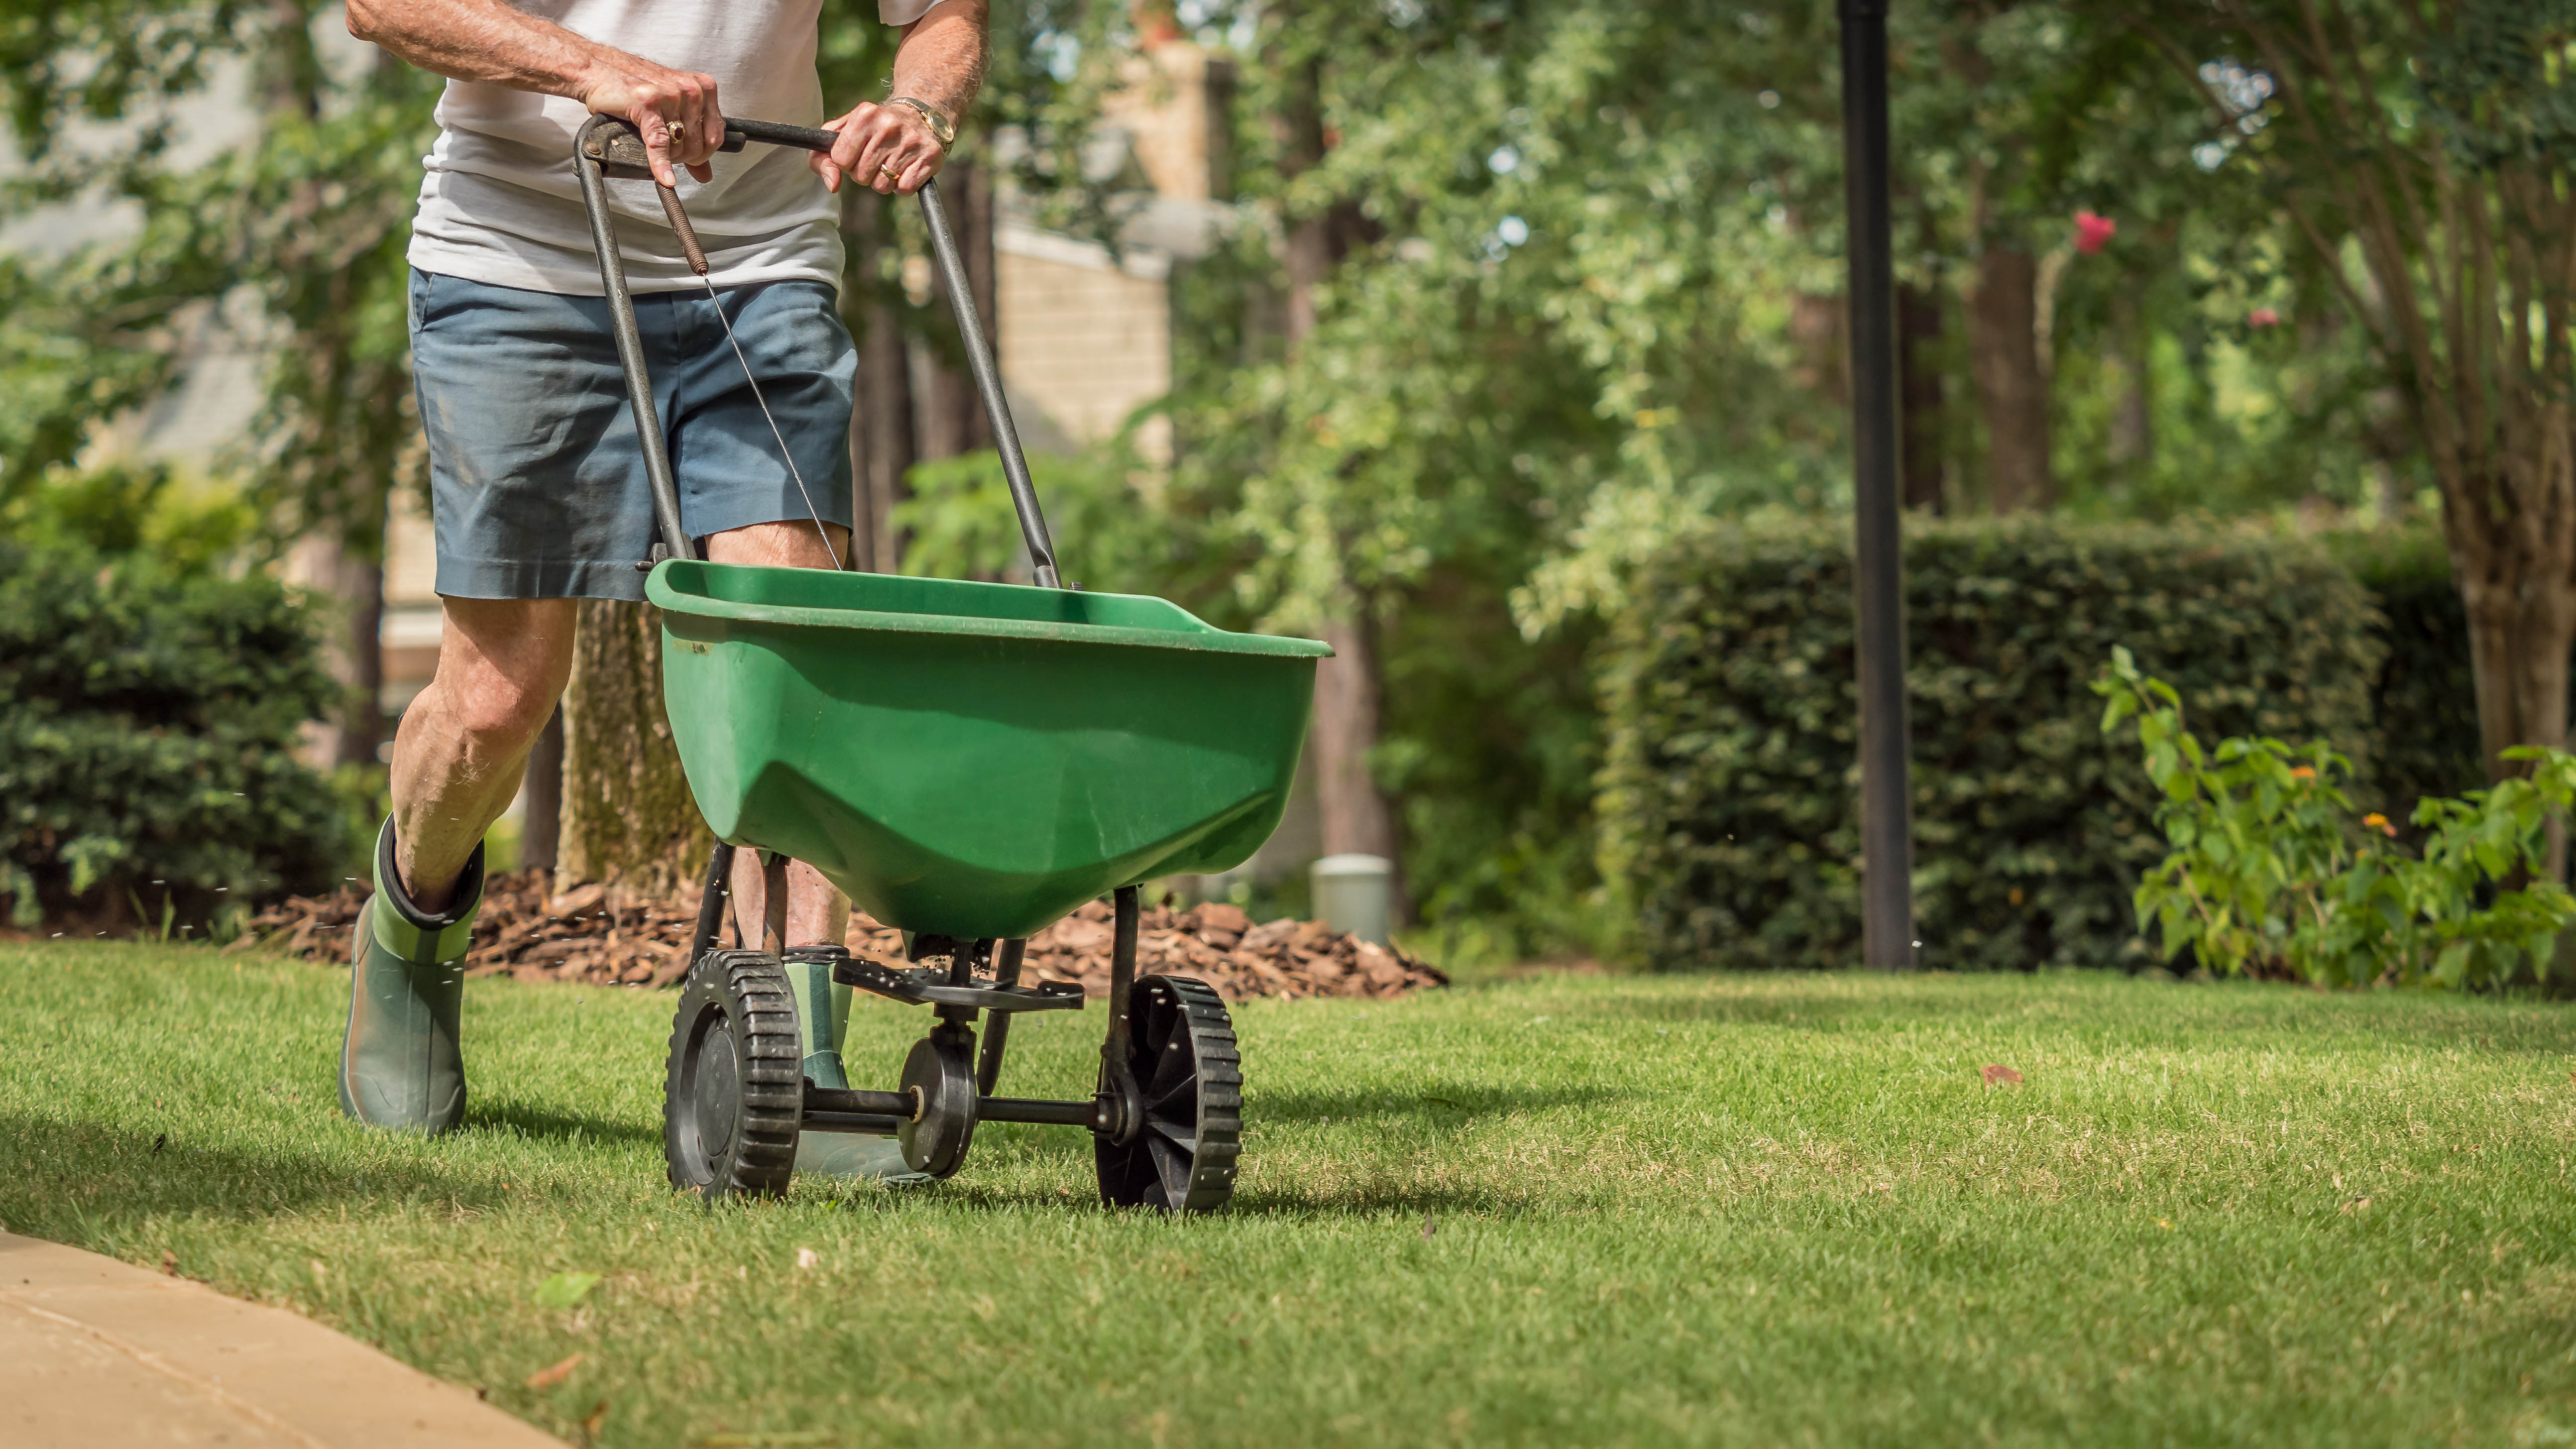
(1084, 339)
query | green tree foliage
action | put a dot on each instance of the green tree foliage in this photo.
(294, 237)
(2422, 153)
(1582, 291)
(1580, 254)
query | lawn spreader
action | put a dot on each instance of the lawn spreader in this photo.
(969, 761)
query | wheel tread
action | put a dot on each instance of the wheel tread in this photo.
(751, 989)
(1218, 1093)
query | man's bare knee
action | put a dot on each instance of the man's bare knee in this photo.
(500, 715)
(502, 664)
(805, 545)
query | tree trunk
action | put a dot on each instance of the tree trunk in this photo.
(2519, 650)
(2003, 343)
(1354, 814)
(542, 795)
(1816, 327)
(2131, 444)
(952, 415)
(1918, 395)
(354, 728)
(881, 421)
(361, 663)
(1309, 240)
(2512, 532)
(2517, 570)
(2133, 434)
(627, 812)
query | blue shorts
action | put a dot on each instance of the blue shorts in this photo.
(537, 488)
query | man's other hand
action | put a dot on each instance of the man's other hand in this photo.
(674, 111)
(887, 147)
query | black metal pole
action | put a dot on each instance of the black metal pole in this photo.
(1886, 810)
(711, 902)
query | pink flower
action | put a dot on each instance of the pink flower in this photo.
(2092, 233)
(2262, 317)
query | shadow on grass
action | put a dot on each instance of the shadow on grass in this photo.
(1446, 1103)
(57, 1176)
(545, 1123)
(1370, 1200)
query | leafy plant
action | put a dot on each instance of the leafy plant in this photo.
(2270, 873)
(148, 720)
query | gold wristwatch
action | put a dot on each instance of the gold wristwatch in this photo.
(942, 130)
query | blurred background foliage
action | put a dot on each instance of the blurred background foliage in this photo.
(1510, 297)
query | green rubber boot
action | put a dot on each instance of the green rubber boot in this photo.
(399, 1065)
(822, 1013)
(822, 1025)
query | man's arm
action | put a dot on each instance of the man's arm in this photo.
(940, 63)
(488, 41)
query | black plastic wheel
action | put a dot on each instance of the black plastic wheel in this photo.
(735, 1088)
(1181, 1048)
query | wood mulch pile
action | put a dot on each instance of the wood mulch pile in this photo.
(607, 936)
(1218, 944)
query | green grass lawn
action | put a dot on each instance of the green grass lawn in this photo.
(1735, 1210)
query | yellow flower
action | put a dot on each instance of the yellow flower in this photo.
(2379, 822)
(2303, 772)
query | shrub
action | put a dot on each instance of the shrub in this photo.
(2270, 872)
(1729, 805)
(148, 716)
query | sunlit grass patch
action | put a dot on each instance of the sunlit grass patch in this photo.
(1739, 1209)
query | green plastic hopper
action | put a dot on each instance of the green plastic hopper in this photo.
(970, 759)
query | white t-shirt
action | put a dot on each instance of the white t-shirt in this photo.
(500, 202)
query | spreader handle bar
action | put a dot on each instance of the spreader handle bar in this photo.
(591, 163)
(607, 145)
(988, 383)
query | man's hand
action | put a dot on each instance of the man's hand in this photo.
(674, 111)
(887, 147)
(941, 64)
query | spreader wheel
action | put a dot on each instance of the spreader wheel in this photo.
(736, 1081)
(1190, 1079)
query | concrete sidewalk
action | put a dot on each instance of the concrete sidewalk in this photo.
(93, 1351)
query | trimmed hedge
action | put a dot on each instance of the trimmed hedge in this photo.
(1729, 809)
(148, 718)
(2425, 700)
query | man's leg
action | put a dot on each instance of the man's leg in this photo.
(463, 744)
(458, 758)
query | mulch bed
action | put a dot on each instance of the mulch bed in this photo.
(606, 936)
